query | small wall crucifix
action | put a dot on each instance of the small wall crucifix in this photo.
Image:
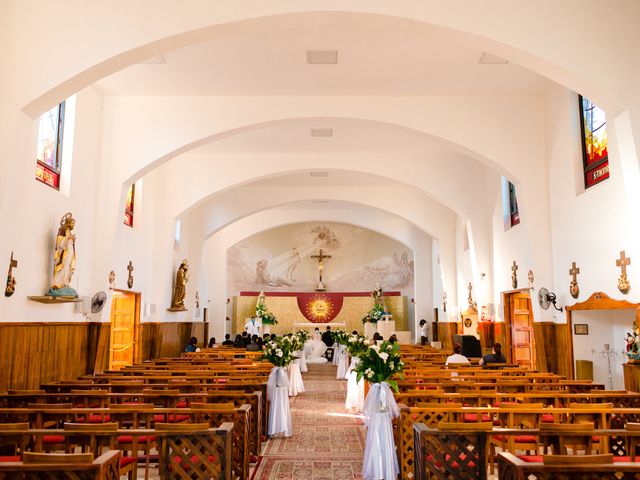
(574, 289)
(514, 275)
(623, 282)
(11, 280)
(130, 279)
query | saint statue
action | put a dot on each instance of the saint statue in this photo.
(64, 259)
(180, 288)
(377, 294)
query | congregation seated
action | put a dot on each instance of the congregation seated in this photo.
(253, 345)
(239, 341)
(495, 356)
(377, 338)
(393, 339)
(212, 342)
(457, 356)
(227, 340)
(192, 346)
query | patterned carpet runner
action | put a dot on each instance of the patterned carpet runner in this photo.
(328, 441)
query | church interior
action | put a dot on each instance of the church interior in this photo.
(180, 169)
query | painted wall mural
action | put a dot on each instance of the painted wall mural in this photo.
(280, 260)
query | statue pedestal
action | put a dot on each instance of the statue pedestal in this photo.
(386, 328)
(176, 309)
(369, 330)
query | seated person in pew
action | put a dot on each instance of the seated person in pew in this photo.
(457, 356)
(192, 346)
(212, 342)
(239, 343)
(253, 345)
(495, 356)
(227, 340)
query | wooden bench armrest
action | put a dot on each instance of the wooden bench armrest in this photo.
(107, 457)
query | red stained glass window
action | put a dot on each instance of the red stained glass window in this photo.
(595, 152)
(514, 214)
(49, 148)
(128, 206)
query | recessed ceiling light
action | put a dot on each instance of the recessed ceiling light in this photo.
(490, 59)
(322, 57)
(158, 60)
(322, 132)
(319, 174)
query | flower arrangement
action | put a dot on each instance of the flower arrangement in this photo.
(380, 363)
(340, 337)
(357, 345)
(374, 315)
(280, 351)
(303, 336)
(294, 340)
(632, 349)
(265, 315)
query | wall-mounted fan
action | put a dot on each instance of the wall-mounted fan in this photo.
(547, 298)
(98, 301)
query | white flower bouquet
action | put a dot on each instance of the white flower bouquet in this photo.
(280, 351)
(381, 363)
(357, 345)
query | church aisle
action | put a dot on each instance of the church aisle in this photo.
(327, 443)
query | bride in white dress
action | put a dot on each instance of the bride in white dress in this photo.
(314, 349)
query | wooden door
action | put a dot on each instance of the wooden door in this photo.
(123, 325)
(522, 337)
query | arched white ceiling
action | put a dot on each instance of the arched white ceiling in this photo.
(512, 36)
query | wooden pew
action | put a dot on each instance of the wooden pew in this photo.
(579, 467)
(36, 466)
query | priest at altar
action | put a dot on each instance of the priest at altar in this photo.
(253, 326)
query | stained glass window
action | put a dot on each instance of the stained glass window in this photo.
(595, 153)
(49, 149)
(128, 205)
(514, 215)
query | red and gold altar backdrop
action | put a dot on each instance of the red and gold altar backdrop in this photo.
(317, 307)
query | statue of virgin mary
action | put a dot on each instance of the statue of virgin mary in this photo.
(64, 259)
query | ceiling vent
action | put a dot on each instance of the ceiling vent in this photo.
(158, 60)
(490, 59)
(322, 132)
(319, 174)
(322, 57)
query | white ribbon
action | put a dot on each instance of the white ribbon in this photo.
(380, 459)
(278, 394)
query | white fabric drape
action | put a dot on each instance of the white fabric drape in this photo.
(343, 363)
(355, 389)
(296, 384)
(279, 412)
(303, 361)
(380, 460)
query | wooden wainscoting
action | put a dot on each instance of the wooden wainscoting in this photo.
(446, 331)
(35, 353)
(163, 339)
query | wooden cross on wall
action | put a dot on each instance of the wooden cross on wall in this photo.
(622, 262)
(514, 275)
(574, 272)
(130, 279)
(574, 290)
(623, 281)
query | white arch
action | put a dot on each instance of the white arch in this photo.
(513, 37)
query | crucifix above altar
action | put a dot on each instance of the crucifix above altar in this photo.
(320, 258)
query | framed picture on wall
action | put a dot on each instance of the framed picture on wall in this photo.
(581, 329)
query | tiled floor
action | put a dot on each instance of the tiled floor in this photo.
(328, 441)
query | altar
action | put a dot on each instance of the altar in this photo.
(296, 310)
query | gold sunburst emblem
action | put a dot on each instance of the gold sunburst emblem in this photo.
(319, 308)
